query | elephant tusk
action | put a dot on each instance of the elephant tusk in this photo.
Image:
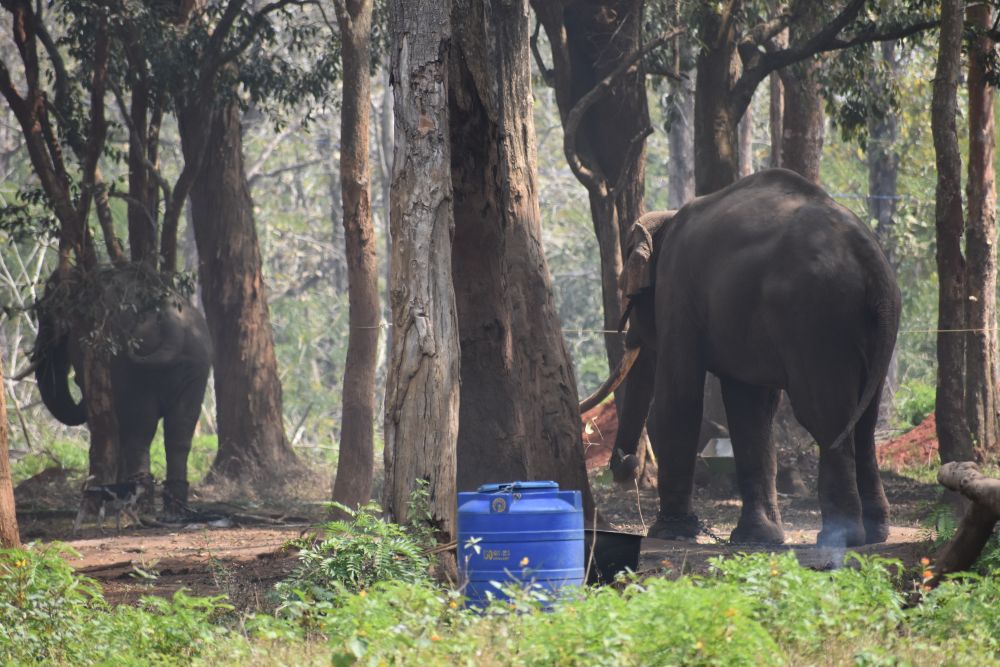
(27, 371)
(615, 379)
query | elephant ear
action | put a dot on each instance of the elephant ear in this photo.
(637, 275)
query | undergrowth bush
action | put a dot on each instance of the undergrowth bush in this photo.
(914, 401)
(351, 555)
(761, 609)
(808, 608)
(51, 615)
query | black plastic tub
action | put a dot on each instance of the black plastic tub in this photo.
(613, 553)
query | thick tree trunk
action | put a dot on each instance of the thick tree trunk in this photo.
(980, 248)
(519, 408)
(353, 484)
(101, 418)
(252, 442)
(422, 392)
(802, 133)
(717, 116)
(953, 432)
(9, 536)
(802, 127)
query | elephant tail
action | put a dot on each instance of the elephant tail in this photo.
(885, 307)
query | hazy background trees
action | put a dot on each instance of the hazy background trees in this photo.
(288, 142)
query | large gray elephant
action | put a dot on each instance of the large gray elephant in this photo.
(160, 373)
(770, 285)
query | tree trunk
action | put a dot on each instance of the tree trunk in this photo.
(680, 139)
(953, 432)
(252, 442)
(980, 248)
(746, 143)
(422, 391)
(802, 128)
(101, 418)
(716, 150)
(519, 408)
(589, 39)
(353, 484)
(776, 119)
(883, 174)
(9, 536)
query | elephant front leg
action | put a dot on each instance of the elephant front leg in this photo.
(677, 408)
(750, 411)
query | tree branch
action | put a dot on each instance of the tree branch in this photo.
(585, 174)
(548, 76)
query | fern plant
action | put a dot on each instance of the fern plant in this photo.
(352, 555)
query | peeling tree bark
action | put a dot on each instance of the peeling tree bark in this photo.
(422, 391)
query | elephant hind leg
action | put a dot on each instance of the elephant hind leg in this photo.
(179, 424)
(750, 411)
(825, 408)
(874, 505)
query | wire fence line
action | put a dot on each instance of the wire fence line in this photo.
(604, 332)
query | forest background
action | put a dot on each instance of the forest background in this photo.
(292, 157)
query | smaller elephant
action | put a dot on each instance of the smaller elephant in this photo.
(770, 285)
(160, 374)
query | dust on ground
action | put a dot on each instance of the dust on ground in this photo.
(244, 554)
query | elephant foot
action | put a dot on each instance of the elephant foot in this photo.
(876, 530)
(757, 529)
(838, 534)
(675, 527)
(175, 495)
(624, 467)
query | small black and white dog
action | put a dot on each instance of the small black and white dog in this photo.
(119, 498)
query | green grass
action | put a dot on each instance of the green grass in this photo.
(73, 454)
(760, 609)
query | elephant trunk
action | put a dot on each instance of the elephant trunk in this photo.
(52, 364)
(615, 379)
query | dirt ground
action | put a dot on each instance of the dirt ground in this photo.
(243, 555)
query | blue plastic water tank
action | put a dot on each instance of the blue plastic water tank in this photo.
(519, 531)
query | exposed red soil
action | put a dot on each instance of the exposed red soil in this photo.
(916, 447)
(599, 428)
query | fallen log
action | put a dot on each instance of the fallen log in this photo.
(980, 518)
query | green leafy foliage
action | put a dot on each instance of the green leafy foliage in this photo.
(761, 609)
(42, 603)
(809, 608)
(914, 401)
(51, 615)
(351, 555)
